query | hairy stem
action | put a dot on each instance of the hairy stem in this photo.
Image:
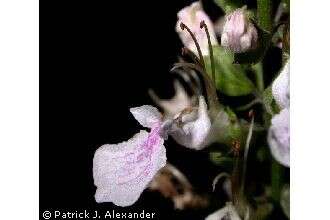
(257, 69)
(229, 5)
(249, 105)
(276, 180)
(264, 8)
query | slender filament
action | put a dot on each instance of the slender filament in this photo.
(203, 25)
(183, 27)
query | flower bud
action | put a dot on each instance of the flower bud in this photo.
(238, 34)
(192, 16)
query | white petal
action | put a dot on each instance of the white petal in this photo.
(175, 105)
(192, 133)
(245, 42)
(225, 40)
(281, 87)
(122, 171)
(147, 115)
(227, 212)
(279, 137)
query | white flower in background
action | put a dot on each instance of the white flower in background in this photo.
(192, 126)
(122, 171)
(238, 34)
(192, 16)
(279, 137)
(281, 87)
(228, 212)
(279, 131)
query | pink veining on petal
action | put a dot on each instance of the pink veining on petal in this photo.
(138, 164)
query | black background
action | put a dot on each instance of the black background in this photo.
(98, 59)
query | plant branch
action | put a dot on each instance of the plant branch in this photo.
(264, 8)
(276, 180)
(257, 69)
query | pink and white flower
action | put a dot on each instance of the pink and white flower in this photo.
(122, 171)
(192, 16)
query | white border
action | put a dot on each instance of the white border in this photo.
(19, 109)
(310, 109)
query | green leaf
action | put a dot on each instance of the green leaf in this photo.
(230, 78)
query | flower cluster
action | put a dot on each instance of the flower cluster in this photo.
(123, 171)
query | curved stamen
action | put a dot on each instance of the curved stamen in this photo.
(209, 86)
(203, 25)
(193, 85)
(183, 27)
(217, 178)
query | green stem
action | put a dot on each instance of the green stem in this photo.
(249, 105)
(229, 5)
(257, 68)
(264, 8)
(276, 180)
